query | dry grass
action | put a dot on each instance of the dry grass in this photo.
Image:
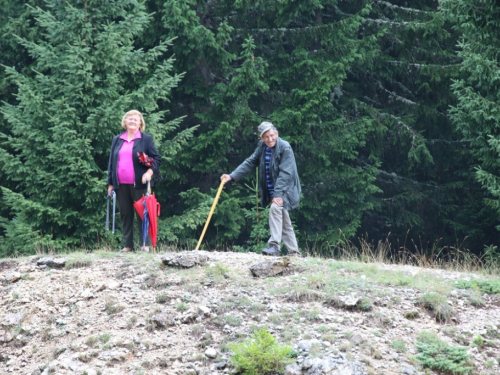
(304, 295)
(456, 258)
(112, 306)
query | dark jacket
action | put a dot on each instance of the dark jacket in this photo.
(283, 173)
(144, 144)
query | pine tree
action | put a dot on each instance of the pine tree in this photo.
(360, 89)
(427, 194)
(476, 113)
(86, 73)
(14, 21)
(247, 62)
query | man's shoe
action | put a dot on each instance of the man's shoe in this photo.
(272, 251)
(295, 254)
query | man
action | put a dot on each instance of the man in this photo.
(278, 184)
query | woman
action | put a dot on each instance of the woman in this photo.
(128, 175)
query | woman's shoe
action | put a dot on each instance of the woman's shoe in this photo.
(125, 250)
(145, 249)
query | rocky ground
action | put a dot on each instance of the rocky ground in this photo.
(177, 313)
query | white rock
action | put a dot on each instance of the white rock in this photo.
(87, 294)
(211, 353)
(113, 284)
(203, 310)
(12, 277)
(351, 301)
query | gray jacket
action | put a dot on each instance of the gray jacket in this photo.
(283, 173)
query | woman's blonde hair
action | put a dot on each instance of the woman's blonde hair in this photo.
(142, 127)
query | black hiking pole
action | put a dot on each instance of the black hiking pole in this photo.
(113, 195)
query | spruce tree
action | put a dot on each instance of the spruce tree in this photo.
(360, 89)
(14, 21)
(86, 73)
(428, 194)
(476, 113)
(249, 62)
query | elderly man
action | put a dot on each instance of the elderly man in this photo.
(278, 184)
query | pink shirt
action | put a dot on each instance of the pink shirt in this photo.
(125, 168)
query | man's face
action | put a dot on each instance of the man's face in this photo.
(269, 138)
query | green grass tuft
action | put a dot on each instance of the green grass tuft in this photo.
(437, 305)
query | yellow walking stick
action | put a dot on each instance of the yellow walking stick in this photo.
(210, 214)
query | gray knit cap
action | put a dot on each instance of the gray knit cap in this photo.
(264, 127)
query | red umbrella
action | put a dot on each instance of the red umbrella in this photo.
(150, 205)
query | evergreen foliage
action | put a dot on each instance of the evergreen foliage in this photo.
(261, 355)
(249, 62)
(440, 357)
(476, 113)
(429, 197)
(360, 89)
(13, 21)
(86, 73)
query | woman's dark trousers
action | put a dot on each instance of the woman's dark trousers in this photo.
(126, 195)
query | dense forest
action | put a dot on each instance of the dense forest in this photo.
(392, 109)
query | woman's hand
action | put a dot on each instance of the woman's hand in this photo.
(146, 177)
(110, 189)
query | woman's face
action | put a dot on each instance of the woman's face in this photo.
(133, 123)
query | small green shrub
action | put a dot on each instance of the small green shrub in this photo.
(329, 337)
(92, 341)
(478, 341)
(104, 338)
(161, 298)
(233, 320)
(485, 286)
(345, 347)
(364, 304)
(438, 305)
(260, 355)
(381, 320)
(412, 315)
(492, 333)
(438, 356)
(463, 284)
(289, 333)
(399, 346)
(276, 319)
(489, 286)
(312, 315)
(217, 272)
(112, 306)
(316, 281)
(323, 329)
(131, 322)
(476, 299)
(302, 293)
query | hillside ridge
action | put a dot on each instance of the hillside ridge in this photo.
(109, 313)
